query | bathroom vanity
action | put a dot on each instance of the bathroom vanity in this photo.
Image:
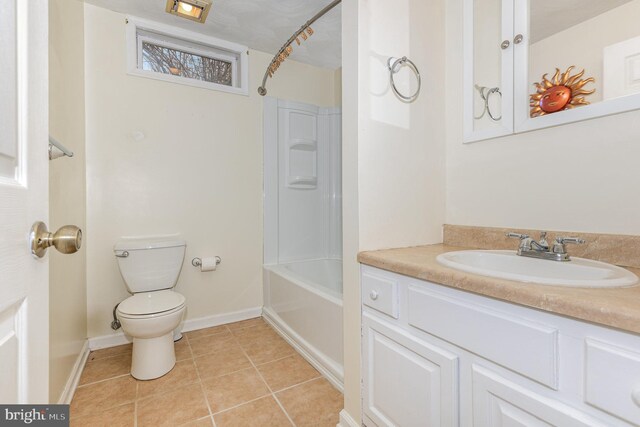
(442, 347)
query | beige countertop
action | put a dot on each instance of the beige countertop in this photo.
(618, 308)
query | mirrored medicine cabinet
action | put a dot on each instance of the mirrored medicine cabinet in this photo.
(531, 64)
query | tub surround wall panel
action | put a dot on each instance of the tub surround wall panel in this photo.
(302, 186)
(164, 158)
(67, 193)
(611, 248)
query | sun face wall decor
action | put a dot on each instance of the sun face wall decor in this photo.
(563, 92)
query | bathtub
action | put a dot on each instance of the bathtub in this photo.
(303, 302)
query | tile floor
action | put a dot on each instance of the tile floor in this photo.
(241, 374)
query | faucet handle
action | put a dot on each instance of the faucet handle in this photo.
(572, 240)
(559, 245)
(517, 236)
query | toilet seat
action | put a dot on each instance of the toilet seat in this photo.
(151, 304)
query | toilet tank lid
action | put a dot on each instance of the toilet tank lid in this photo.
(151, 302)
(138, 245)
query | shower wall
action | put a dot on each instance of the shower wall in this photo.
(303, 187)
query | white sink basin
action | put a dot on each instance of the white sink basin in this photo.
(578, 272)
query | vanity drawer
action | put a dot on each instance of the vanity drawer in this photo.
(523, 346)
(612, 380)
(380, 292)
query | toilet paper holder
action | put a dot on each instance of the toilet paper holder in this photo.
(197, 262)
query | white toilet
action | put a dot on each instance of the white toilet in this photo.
(150, 270)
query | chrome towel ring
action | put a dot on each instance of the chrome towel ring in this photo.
(394, 67)
(485, 94)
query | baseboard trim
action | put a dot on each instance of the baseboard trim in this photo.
(312, 355)
(74, 377)
(120, 338)
(346, 420)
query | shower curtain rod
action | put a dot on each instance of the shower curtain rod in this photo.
(278, 58)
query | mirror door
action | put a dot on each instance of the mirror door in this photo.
(489, 70)
(578, 59)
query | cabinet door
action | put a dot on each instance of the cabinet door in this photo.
(407, 383)
(488, 68)
(498, 402)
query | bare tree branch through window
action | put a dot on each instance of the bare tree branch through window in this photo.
(165, 60)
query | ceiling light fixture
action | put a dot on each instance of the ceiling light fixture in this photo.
(195, 10)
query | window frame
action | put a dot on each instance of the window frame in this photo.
(170, 37)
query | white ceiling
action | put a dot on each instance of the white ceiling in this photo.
(551, 16)
(262, 25)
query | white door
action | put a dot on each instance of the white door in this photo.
(24, 283)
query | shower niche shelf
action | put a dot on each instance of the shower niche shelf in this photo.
(302, 163)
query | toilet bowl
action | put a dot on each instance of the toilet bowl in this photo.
(150, 271)
(150, 318)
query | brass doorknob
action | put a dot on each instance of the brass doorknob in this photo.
(67, 239)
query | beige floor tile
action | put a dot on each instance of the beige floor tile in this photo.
(287, 372)
(315, 403)
(177, 407)
(207, 331)
(109, 352)
(183, 349)
(222, 362)
(98, 397)
(252, 334)
(202, 422)
(121, 416)
(234, 389)
(211, 343)
(102, 369)
(264, 351)
(246, 323)
(184, 373)
(264, 412)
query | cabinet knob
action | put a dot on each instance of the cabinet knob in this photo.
(505, 44)
(518, 39)
(635, 396)
(374, 296)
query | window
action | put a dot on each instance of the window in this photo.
(166, 53)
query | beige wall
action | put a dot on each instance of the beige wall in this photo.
(67, 282)
(393, 153)
(197, 172)
(581, 176)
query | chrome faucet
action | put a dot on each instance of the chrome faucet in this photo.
(541, 249)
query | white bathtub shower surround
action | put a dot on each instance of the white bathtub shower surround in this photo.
(302, 182)
(303, 230)
(320, 273)
(303, 301)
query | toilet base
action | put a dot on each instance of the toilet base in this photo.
(152, 357)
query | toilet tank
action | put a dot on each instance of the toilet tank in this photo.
(150, 265)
